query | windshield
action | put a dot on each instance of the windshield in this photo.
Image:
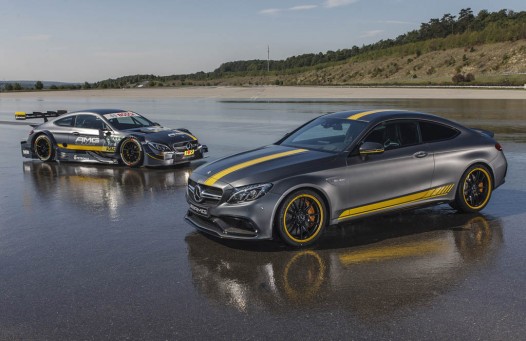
(325, 134)
(127, 120)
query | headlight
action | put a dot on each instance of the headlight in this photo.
(159, 146)
(249, 193)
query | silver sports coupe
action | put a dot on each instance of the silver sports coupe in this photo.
(108, 136)
(345, 166)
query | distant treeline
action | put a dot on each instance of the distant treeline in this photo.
(450, 31)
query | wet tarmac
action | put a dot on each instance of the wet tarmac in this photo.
(103, 252)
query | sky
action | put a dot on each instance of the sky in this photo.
(92, 40)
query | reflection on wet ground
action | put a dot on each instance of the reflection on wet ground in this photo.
(366, 270)
(102, 252)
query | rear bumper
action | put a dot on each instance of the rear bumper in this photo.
(26, 150)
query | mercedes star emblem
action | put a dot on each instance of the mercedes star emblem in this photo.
(198, 193)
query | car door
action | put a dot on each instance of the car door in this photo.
(86, 133)
(382, 181)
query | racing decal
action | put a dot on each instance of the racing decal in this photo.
(87, 140)
(211, 180)
(121, 114)
(407, 199)
(189, 135)
(365, 113)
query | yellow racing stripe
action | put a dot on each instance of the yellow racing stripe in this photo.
(211, 180)
(89, 148)
(407, 199)
(365, 113)
(383, 253)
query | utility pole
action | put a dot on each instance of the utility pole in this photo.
(268, 58)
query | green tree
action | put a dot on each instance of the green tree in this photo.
(17, 86)
(39, 85)
(8, 87)
(86, 85)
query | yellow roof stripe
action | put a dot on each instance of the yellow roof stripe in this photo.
(434, 192)
(365, 113)
(211, 180)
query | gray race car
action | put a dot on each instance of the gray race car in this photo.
(345, 166)
(108, 136)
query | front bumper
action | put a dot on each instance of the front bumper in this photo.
(155, 158)
(252, 220)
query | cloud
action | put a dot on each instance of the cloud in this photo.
(37, 37)
(372, 33)
(302, 7)
(275, 11)
(271, 11)
(338, 3)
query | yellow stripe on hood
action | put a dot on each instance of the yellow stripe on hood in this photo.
(211, 180)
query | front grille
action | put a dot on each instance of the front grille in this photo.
(185, 145)
(210, 195)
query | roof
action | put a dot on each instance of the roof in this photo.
(99, 111)
(382, 114)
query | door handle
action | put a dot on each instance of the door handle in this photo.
(420, 154)
(76, 133)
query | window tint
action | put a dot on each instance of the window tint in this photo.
(65, 122)
(436, 132)
(89, 122)
(394, 135)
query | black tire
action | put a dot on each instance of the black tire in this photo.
(43, 148)
(474, 189)
(131, 153)
(301, 218)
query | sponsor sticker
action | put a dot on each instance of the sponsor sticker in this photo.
(25, 152)
(121, 114)
(189, 152)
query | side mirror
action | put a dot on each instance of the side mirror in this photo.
(104, 132)
(368, 148)
(156, 124)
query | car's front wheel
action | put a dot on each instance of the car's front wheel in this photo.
(131, 152)
(474, 189)
(301, 218)
(43, 148)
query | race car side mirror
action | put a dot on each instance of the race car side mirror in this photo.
(368, 148)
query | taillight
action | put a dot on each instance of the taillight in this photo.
(31, 132)
(498, 147)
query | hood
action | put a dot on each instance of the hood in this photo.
(262, 165)
(163, 135)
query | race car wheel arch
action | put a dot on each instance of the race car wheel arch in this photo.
(474, 189)
(301, 217)
(130, 152)
(43, 147)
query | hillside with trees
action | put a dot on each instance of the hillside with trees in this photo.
(488, 48)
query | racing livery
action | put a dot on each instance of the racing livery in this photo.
(108, 136)
(344, 166)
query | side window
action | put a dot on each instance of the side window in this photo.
(432, 132)
(89, 122)
(65, 122)
(394, 134)
(408, 133)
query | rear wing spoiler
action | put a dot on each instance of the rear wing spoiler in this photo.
(22, 115)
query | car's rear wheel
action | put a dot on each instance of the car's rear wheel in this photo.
(301, 218)
(131, 152)
(474, 189)
(43, 148)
